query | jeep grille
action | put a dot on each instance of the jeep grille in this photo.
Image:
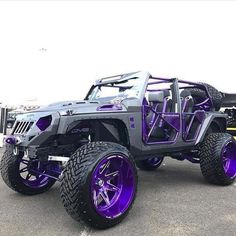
(22, 127)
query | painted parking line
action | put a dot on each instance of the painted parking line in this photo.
(231, 129)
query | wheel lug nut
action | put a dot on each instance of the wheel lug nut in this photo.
(100, 182)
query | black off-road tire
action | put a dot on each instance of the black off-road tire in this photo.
(210, 159)
(9, 167)
(216, 95)
(75, 187)
(144, 165)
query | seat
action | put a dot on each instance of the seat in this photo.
(160, 102)
(167, 105)
(190, 124)
(187, 101)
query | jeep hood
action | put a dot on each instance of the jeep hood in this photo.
(83, 106)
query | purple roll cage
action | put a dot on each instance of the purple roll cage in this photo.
(171, 121)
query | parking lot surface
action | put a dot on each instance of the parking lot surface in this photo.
(173, 200)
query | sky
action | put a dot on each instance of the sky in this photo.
(54, 51)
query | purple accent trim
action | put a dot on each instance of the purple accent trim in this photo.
(145, 111)
(200, 116)
(46, 175)
(228, 156)
(112, 186)
(172, 119)
(160, 119)
(185, 104)
(11, 140)
(131, 119)
(154, 114)
(132, 123)
(202, 103)
(109, 107)
(163, 111)
(44, 122)
(163, 119)
(132, 126)
(189, 84)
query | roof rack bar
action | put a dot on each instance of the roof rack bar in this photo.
(163, 79)
(120, 75)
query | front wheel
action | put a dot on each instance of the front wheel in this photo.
(99, 184)
(218, 159)
(24, 175)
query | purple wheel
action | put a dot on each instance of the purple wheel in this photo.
(151, 163)
(229, 159)
(113, 187)
(99, 184)
(34, 173)
(218, 159)
(27, 176)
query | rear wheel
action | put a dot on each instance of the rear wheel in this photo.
(218, 159)
(99, 184)
(24, 175)
(150, 164)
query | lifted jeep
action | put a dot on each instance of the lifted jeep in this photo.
(93, 146)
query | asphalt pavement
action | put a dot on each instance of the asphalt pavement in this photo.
(173, 200)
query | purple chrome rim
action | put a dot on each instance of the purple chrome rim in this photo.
(33, 173)
(229, 159)
(113, 186)
(154, 161)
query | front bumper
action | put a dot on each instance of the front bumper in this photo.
(25, 131)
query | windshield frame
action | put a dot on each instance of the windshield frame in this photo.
(116, 80)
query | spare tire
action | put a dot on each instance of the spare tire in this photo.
(199, 95)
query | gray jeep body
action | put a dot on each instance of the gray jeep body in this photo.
(120, 120)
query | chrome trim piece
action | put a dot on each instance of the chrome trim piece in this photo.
(58, 158)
